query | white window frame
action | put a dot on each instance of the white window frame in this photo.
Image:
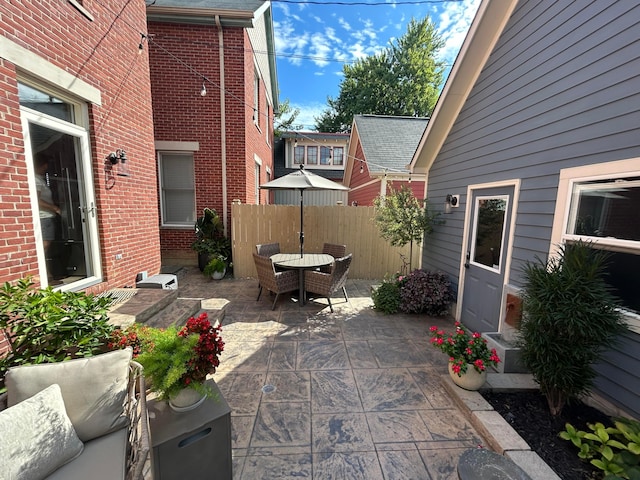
(257, 168)
(256, 98)
(572, 176)
(175, 148)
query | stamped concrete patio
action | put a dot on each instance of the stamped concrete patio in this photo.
(347, 395)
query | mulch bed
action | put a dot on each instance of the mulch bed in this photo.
(528, 414)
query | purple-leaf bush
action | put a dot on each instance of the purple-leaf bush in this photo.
(425, 292)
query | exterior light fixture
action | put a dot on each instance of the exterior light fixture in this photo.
(119, 157)
(451, 201)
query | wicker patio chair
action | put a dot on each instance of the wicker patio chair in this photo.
(336, 251)
(326, 284)
(267, 249)
(276, 282)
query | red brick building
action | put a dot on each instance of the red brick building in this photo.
(213, 79)
(380, 148)
(75, 114)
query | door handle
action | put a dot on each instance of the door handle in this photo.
(91, 210)
(466, 264)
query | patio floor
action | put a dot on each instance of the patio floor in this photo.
(347, 395)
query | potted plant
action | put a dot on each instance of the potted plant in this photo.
(469, 355)
(177, 361)
(210, 239)
(217, 267)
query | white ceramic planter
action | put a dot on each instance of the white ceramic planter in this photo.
(219, 275)
(186, 399)
(470, 380)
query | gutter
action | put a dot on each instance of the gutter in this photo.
(223, 129)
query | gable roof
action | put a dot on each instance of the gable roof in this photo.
(388, 142)
(486, 28)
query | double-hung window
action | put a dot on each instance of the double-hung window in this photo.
(177, 189)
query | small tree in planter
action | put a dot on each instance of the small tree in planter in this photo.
(570, 318)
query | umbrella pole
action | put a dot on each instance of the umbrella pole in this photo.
(301, 226)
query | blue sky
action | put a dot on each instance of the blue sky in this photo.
(315, 39)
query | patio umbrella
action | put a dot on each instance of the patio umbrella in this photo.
(302, 180)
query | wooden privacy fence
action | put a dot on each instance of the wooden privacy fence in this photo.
(373, 257)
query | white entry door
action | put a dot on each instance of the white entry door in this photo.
(484, 274)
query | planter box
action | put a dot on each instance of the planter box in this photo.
(508, 353)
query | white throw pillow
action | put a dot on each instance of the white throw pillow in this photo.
(94, 389)
(37, 437)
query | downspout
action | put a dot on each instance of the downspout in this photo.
(223, 129)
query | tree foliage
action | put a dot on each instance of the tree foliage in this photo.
(402, 80)
(570, 317)
(285, 117)
(402, 218)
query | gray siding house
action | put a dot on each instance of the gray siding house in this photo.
(538, 132)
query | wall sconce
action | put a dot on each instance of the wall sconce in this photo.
(451, 201)
(119, 157)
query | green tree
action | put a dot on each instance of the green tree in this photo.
(403, 80)
(284, 118)
(402, 218)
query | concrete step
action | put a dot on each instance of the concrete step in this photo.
(144, 304)
(176, 313)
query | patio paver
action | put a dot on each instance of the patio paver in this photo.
(350, 395)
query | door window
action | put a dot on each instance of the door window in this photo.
(488, 233)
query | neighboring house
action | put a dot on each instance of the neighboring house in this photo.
(537, 131)
(380, 151)
(322, 153)
(75, 94)
(214, 90)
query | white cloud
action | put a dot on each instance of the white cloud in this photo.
(320, 49)
(308, 113)
(453, 24)
(344, 24)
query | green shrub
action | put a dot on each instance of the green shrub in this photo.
(386, 297)
(43, 325)
(614, 450)
(419, 292)
(569, 318)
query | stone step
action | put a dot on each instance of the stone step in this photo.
(146, 303)
(176, 313)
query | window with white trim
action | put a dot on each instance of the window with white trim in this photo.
(177, 189)
(591, 203)
(256, 99)
(338, 156)
(602, 212)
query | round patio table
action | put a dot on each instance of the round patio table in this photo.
(294, 261)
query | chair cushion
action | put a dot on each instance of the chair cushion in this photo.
(94, 389)
(103, 458)
(37, 436)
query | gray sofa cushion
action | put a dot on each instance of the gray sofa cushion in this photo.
(103, 458)
(37, 437)
(94, 389)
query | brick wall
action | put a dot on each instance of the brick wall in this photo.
(180, 56)
(103, 53)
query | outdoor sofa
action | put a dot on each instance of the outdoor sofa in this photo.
(79, 419)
